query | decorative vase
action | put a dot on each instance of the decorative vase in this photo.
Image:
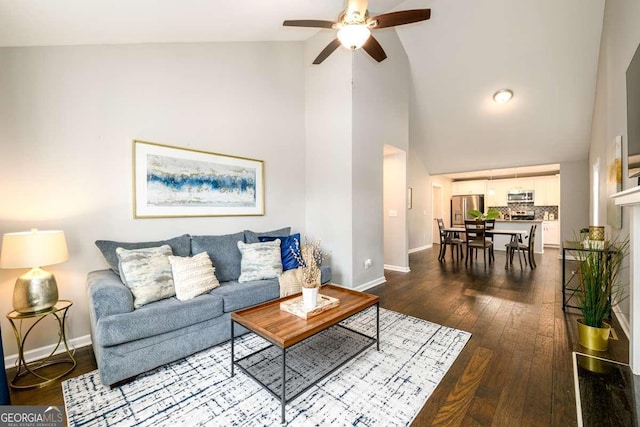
(594, 338)
(596, 232)
(310, 298)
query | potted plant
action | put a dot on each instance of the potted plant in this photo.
(598, 278)
(491, 214)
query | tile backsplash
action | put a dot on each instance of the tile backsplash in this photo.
(539, 210)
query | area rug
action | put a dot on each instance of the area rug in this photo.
(386, 387)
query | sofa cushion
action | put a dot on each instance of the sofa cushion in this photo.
(180, 246)
(288, 246)
(237, 296)
(259, 261)
(254, 236)
(147, 273)
(192, 276)
(223, 251)
(157, 318)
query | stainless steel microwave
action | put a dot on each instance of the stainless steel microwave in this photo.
(515, 196)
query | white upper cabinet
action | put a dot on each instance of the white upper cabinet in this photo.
(469, 187)
(500, 187)
(547, 191)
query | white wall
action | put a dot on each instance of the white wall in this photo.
(574, 198)
(67, 119)
(395, 227)
(328, 140)
(620, 38)
(380, 116)
(353, 107)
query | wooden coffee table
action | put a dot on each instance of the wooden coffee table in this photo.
(284, 330)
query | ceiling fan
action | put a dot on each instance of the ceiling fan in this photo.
(354, 28)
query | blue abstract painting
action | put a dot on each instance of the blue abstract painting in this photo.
(179, 182)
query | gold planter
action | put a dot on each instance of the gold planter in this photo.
(594, 338)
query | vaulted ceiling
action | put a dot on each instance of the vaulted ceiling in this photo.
(546, 51)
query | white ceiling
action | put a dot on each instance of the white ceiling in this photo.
(546, 51)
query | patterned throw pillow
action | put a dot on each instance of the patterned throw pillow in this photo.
(290, 282)
(147, 273)
(260, 261)
(193, 276)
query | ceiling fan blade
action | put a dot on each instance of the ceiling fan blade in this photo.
(373, 48)
(327, 51)
(359, 5)
(310, 23)
(400, 18)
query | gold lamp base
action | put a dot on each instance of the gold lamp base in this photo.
(35, 291)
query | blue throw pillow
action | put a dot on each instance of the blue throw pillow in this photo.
(287, 244)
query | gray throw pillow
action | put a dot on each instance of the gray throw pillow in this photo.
(181, 246)
(260, 261)
(254, 236)
(147, 273)
(224, 253)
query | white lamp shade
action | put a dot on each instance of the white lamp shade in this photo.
(33, 248)
(353, 36)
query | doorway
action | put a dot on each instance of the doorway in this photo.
(437, 211)
(395, 204)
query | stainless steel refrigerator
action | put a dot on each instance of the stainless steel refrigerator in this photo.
(461, 205)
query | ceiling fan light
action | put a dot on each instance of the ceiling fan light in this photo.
(503, 95)
(353, 36)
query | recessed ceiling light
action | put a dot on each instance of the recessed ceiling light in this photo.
(503, 95)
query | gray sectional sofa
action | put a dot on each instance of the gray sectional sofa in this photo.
(128, 341)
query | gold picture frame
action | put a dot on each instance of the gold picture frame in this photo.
(172, 181)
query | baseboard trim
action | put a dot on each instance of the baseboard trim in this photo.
(371, 284)
(622, 320)
(421, 248)
(42, 352)
(397, 268)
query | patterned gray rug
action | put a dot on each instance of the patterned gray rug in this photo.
(386, 387)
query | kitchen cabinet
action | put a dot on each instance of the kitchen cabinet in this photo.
(547, 191)
(551, 233)
(500, 187)
(459, 188)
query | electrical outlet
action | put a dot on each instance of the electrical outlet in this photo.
(367, 263)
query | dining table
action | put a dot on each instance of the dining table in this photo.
(515, 238)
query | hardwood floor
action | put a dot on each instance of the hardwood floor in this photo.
(515, 370)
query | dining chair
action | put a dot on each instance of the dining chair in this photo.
(447, 238)
(490, 225)
(475, 231)
(526, 248)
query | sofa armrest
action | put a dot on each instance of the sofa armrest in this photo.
(107, 294)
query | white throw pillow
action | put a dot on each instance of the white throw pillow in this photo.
(260, 261)
(193, 276)
(147, 273)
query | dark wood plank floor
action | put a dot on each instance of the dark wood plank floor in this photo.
(515, 370)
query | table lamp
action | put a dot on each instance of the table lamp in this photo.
(35, 290)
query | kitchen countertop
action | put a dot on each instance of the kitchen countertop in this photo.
(519, 220)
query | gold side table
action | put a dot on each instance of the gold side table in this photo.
(29, 369)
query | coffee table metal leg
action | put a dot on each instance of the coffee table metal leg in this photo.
(232, 334)
(378, 326)
(283, 400)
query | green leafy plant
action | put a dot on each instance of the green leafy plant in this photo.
(491, 214)
(598, 277)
